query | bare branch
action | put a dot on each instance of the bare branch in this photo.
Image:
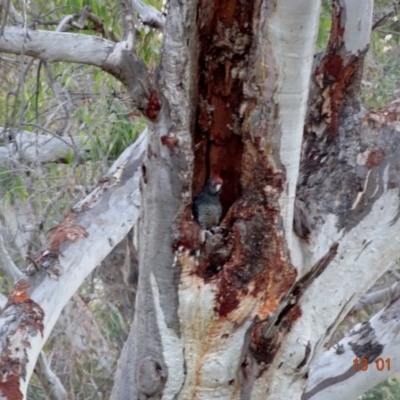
(13, 14)
(378, 296)
(382, 16)
(51, 384)
(6, 263)
(149, 15)
(335, 372)
(56, 46)
(394, 273)
(128, 24)
(114, 58)
(29, 148)
(37, 300)
(64, 23)
(78, 324)
(5, 7)
(49, 380)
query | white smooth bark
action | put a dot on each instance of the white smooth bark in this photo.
(293, 50)
(332, 295)
(30, 148)
(149, 15)
(363, 255)
(334, 375)
(106, 218)
(52, 385)
(56, 46)
(358, 24)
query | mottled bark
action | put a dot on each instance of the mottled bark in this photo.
(252, 326)
(310, 196)
(209, 344)
(373, 344)
(74, 248)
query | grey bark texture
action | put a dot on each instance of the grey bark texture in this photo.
(245, 313)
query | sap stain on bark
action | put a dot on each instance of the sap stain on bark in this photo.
(153, 106)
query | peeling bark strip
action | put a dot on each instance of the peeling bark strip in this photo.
(334, 123)
(21, 320)
(339, 71)
(65, 232)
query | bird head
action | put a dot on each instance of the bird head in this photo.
(214, 184)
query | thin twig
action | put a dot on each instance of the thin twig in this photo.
(6, 263)
(6, 11)
(390, 12)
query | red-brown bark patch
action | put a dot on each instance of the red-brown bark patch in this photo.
(337, 28)
(293, 315)
(375, 157)
(259, 270)
(337, 72)
(26, 322)
(169, 141)
(66, 231)
(9, 387)
(153, 106)
(385, 115)
(190, 232)
(335, 77)
(333, 66)
(225, 37)
(19, 294)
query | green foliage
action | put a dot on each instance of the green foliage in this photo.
(324, 27)
(387, 390)
(381, 73)
(12, 185)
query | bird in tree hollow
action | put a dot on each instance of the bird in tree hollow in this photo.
(207, 208)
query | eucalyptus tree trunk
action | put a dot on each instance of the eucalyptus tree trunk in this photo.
(310, 199)
(305, 217)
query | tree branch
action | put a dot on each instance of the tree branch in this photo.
(15, 17)
(52, 385)
(335, 372)
(30, 148)
(382, 16)
(76, 246)
(114, 58)
(56, 46)
(378, 296)
(6, 263)
(77, 323)
(149, 15)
